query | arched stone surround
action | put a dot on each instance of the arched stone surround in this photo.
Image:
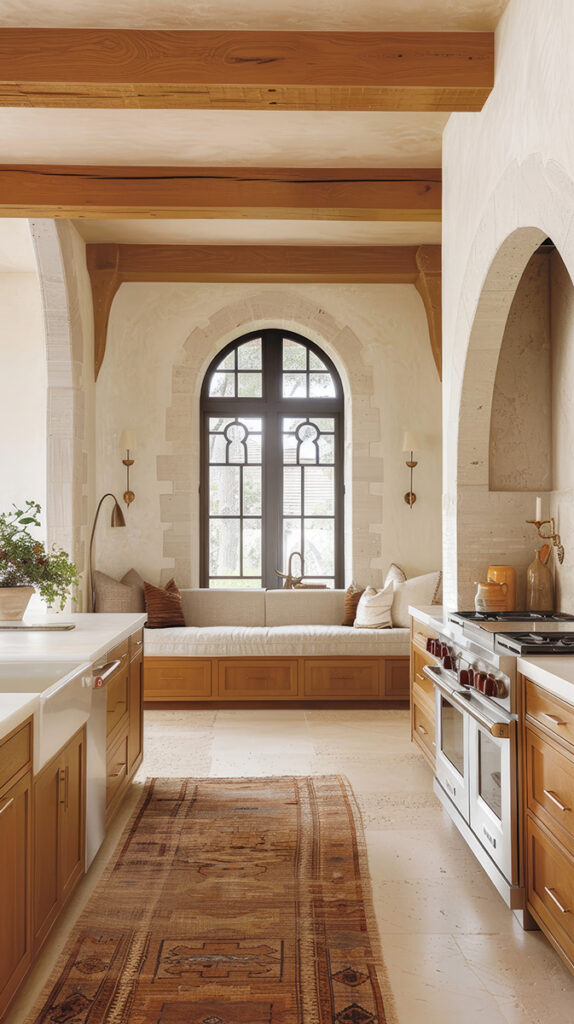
(534, 199)
(179, 510)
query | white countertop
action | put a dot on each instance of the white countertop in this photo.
(432, 615)
(16, 708)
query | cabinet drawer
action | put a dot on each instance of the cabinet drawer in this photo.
(550, 712)
(117, 700)
(136, 644)
(550, 787)
(550, 886)
(116, 768)
(15, 753)
(343, 679)
(177, 679)
(258, 679)
(424, 730)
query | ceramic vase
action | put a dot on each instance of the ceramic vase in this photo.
(539, 586)
(13, 602)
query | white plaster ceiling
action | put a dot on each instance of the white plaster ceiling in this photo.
(16, 248)
(349, 15)
(221, 137)
(258, 232)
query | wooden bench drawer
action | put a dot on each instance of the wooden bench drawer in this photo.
(116, 768)
(550, 886)
(257, 679)
(550, 787)
(177, 679)
(550, 712)
(424, 730)
(117, 700)
(396, 678)
(15, 753)
(341, 678)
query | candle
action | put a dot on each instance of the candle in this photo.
(538, 516)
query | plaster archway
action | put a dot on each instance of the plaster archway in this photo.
(480, 526)
(179, 510)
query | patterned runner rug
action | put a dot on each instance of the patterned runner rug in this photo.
(229, 901)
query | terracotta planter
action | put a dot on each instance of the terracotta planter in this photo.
(13, 602)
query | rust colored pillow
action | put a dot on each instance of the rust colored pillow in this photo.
(163, 606)
(352, 598)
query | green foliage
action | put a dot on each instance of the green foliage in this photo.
(24, 561)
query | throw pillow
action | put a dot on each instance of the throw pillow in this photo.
(352, 598)
(163, 606)
(374, 609)
(125, 595)
(420, 590)
(395, 574)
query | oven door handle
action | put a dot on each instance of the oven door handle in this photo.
(500, 730)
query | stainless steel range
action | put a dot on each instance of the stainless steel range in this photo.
(477, 736)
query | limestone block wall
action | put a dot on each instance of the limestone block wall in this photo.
(508, 184)
(161, 339)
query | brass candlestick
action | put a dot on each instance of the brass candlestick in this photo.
(552, 536)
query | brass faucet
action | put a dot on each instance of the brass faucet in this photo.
(292, 581)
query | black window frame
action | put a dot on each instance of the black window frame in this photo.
(272, 407)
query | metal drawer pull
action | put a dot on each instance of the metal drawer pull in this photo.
(139, 643)
(422, 678)
(552, 718)
(554, 898)
(114, 775)
(102, 673)
(422, 730)
(552, 796)
(118, 704)
(7, 805)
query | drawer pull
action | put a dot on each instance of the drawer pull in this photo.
(420, 639)
(139, 643)
(118, 704)
(341, 678)
(552, 718)
(421, 679)
(422, 730)
(114, 775)
(552, 796)
(554, 898)
(7, 805)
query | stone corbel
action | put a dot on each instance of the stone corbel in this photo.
(429, 287)
(103, 268)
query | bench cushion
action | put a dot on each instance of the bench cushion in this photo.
(298, 607)
(273, 642)
(202, 607)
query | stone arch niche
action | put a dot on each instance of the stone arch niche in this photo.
(533, 200)
(179, 510)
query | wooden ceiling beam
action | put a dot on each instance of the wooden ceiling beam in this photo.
(440, 71)
(110, 265)
(281, 193)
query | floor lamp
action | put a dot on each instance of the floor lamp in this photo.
(116, 520)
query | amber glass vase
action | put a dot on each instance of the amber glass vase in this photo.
(539, 586)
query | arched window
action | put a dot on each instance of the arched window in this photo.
(272, 463)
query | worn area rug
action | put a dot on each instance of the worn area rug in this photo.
(229, 901)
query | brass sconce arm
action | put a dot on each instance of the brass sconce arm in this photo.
(552, 536)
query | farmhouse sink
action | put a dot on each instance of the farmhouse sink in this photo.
(65, 691)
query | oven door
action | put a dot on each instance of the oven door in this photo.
(493, 794)
(452, 761)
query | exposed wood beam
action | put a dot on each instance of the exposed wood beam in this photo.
(283, 193)
(445, 71)
(111, 265)
(429, 285)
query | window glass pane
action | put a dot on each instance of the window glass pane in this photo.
(294, 385)
(290, 445)
(290, 424)
(315, 363)
(249, 385)
(249, 355)
(326, 424)
(307, 436)
(319, 491)
(217, 448)
(319, 547)
(321, 385)
(224, 547)
(235, 584)
(326, 449)
(251, 547)
(291, 540)
(294, 355)
(224, 491)
(254, 448)
(236, 436)
(292, 491)
(252, 491)
(222, 385)
(219, 423)
(228, 363)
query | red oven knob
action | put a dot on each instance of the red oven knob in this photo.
(480, 681)
(431, 645)
(465, 677)
(490, 687)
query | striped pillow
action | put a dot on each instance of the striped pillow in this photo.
(163, 606)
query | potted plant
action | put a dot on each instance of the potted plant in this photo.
(26, 565)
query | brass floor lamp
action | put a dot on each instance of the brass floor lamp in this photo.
(116, 520)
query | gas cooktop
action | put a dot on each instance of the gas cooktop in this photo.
(520, 616)
(537, 643)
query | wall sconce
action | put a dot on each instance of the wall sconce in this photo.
(539, 522)
(410, 445)
(128, 445)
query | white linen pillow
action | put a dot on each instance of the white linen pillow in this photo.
(420, 590)
(395, 574)
(374, 609)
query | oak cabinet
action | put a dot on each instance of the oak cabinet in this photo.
(15, 861)
(59, 833)
(124, 744)
(135, 705)
(423, 713)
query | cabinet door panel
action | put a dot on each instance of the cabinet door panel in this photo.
(72, 816)
(136, 713)
(15, 939)
(47, 789)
